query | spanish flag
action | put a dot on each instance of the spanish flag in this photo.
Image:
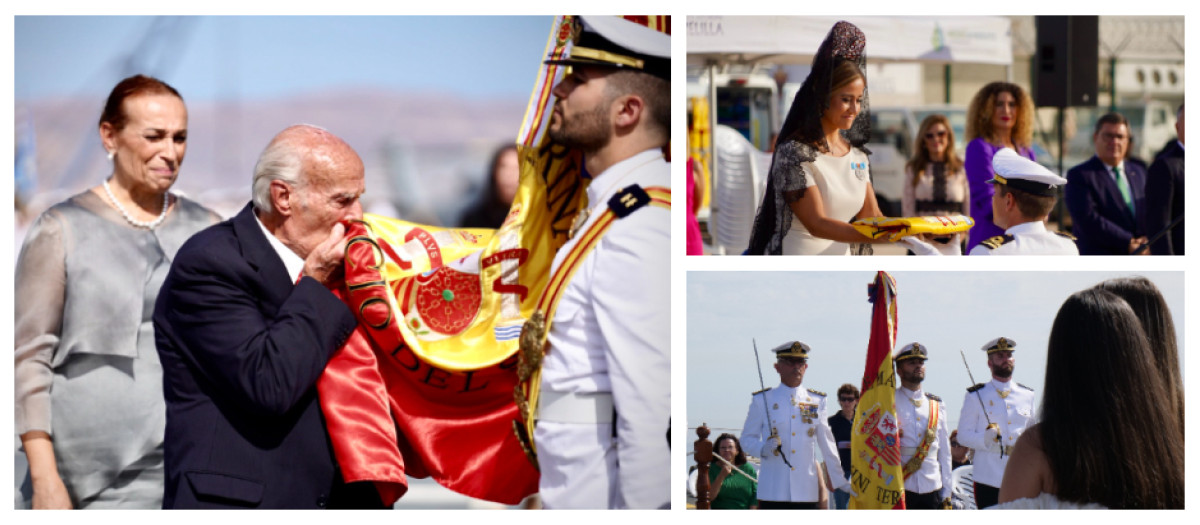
(876, 473)
(425, 386)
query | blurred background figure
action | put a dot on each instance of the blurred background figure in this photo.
(695, 241)
(728, 489)
(841, 423)
(1093, 448)
(934, 180)
(89, 390)
(1164, 195)
(1000, 116)
(493, 203)
(1106, 194)
(959, 455)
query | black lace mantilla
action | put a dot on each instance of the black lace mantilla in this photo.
(801, 139)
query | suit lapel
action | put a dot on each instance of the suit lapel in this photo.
(1112, 192)
(258, 252)
(1137, 183)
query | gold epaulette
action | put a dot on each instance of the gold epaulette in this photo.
(933, 397)
(817, 392)
(1065, 234)
(997, 241)
(1025, 387)
(974, 388)
(760, 391)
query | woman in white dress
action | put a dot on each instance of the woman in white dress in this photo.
(820, 176)
(1107, 436)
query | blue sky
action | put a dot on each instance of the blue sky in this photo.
(222, 57)
(946, 311)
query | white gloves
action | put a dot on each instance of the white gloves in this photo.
(848, 489)
(770, 446)
(921, 247)
(991, 436)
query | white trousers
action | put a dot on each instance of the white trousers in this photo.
(578, 464)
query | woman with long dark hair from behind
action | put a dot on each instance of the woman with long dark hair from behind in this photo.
(1105, 438)
(819, 179)
(1151, 309)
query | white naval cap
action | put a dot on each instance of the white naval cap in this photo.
(999, 344)
(792, 349)
(913, 351)
(1020, 173)
(614, 42)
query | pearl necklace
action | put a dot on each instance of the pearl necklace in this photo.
(145, 225)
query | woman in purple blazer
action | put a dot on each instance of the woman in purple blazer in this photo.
(1000, 116)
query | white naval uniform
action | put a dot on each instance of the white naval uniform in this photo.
(799, 435)
(612, 333)
(934, 473)
(1013, 414)
(1030, 238)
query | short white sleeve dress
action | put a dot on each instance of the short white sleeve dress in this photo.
(842, 182)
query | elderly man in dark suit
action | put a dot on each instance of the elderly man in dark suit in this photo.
(1106, 194)
(1164, 195)
(245, 324)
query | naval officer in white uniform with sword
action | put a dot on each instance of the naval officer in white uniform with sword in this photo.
(784, 426)
(994, 415)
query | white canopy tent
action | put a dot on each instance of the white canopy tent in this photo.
(793, 39)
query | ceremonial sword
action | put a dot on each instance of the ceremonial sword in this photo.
(980, 398)
(774, 433)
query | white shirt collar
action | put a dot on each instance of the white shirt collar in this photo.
(1001, 385)
(1108, 168)
(291, 261)
(1027, 227)
(606, 182)
(912, 394)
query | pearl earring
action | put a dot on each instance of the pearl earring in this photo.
(110, 155)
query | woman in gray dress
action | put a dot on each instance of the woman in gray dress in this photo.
(89, 402)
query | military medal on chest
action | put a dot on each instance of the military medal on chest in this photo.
(808, 411)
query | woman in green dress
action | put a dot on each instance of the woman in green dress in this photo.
(731, 490)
